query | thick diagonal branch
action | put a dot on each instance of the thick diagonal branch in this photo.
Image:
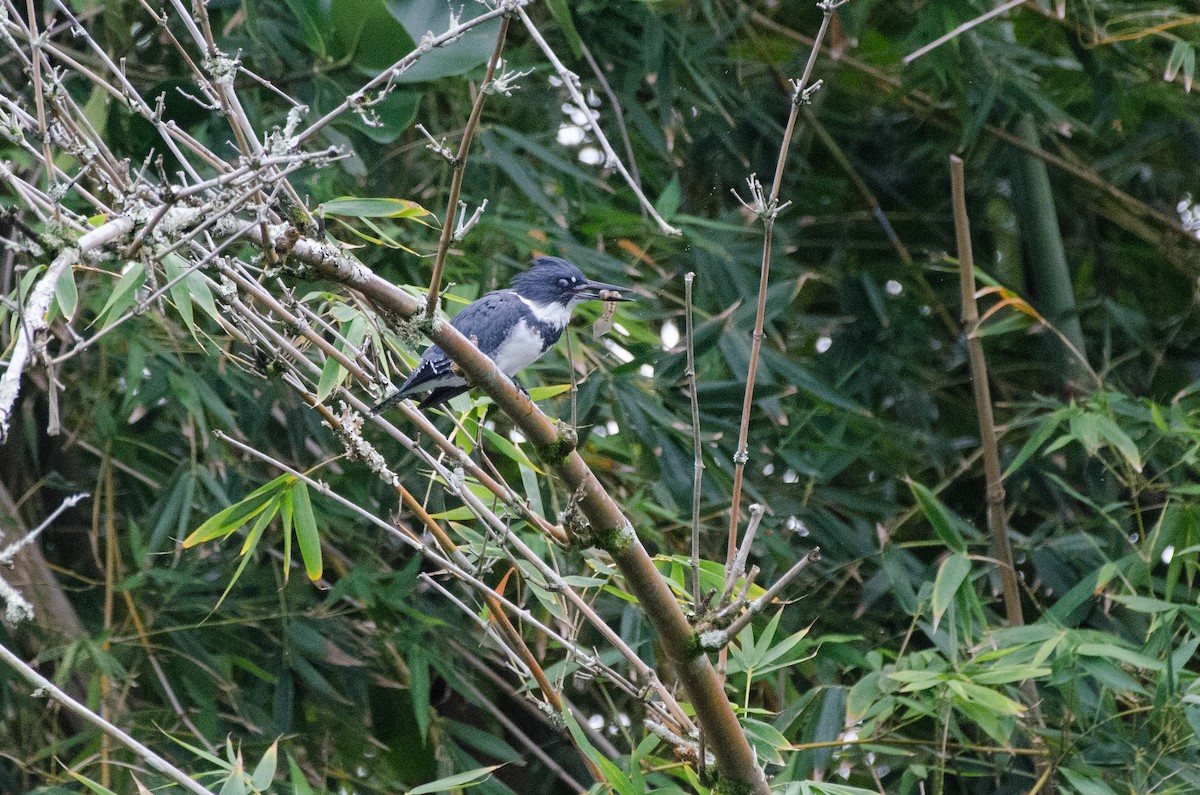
(609, 528)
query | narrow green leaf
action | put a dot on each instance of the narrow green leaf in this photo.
(669, 201)
(418, 687)
(561, 11)
(287, 512)
(1124, 655)
(333, 373)
(985, 696)
(1120, 441)
(264, 772)
(615, 776)
(123, 295)
(511, 451)
(467, 778)
(1041, 433)
(352, 207)
(94, 786)
(300, 785)
(199, 752)
(1005, 674)
(201, 294)
(1183, 57)
(939, 516)
(914, 681)
(460, 514)
(1085, 429)
(766, 740)
(307, 537)
(1086, 783)
(252, 538)
(950, 576)
(311, 22)
(538, 393)
(67, 294)
(231, 519)
(175, 268)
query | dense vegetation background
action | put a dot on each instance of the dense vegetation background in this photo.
(863, 439)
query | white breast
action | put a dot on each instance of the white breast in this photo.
(521, 349)
(555, 313)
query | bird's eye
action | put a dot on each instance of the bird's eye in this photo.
(564, 282)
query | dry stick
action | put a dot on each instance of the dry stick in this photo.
(769, 210)
(983, 397)
(599, 740)
(39, 304)
(554, 582)
(386, 76)
(615, 104)
(110, 580)
(571, 83)
(718, 638)
(735, 571)
(38, 94)
(553, 696)
(454, 565)
(612, 530)
(698, 462)
(488, 703)
(961, 29)
(47, 688)
(16, 607)
(459, 165)
(987, 423)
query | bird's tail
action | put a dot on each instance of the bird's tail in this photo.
(387, 403)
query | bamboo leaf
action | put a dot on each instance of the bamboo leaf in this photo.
(939, 516)
(950, 577)
(364, 207)
(464, 780)
(307, 537)
(227, 521)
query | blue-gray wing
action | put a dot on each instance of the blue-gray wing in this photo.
(489, 319)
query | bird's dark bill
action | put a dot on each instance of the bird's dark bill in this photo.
(600, 291)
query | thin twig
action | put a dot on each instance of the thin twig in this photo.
(387, 75)
(39, 304)
(717, 639)
(459, 168)
(615, 104)
(768, 208)
(983, 398)
(994, 494)
(738, 567)
(571, 83)
(961, 29)
(697, 450)
(47, 688)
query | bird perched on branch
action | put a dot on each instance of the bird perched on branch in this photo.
(514, 327)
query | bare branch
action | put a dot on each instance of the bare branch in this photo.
(571, 82)
(47, 688)
(34, 313)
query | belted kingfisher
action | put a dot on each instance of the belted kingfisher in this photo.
(514, 327)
